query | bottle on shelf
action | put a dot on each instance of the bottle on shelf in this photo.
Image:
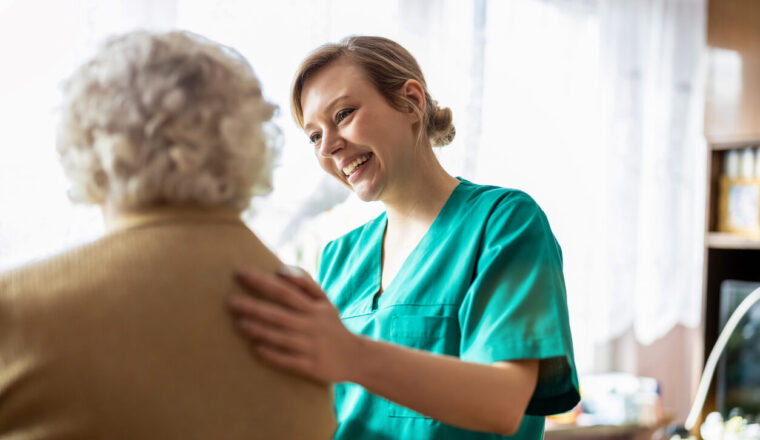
(747, 164)
(732, 164)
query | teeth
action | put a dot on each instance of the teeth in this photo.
(350, 168)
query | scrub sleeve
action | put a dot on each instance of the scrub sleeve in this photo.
(516, 307)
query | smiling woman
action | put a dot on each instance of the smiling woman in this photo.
(444, 317)
(378, 84)
(358, 136)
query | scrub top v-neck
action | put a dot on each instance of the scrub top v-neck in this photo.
(484, 284)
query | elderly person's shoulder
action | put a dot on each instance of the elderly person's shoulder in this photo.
(41, 285)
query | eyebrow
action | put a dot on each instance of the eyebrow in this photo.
(329, 106)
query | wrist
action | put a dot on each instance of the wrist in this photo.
(358, 355)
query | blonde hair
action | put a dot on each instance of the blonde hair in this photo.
(388, 66)
(166, 118)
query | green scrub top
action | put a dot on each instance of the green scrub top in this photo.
(484, 284)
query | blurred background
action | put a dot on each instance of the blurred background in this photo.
(594, 107)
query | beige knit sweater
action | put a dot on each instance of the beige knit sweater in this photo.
(129, 338)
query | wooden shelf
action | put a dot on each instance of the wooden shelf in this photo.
(722, 240)
(719, 143)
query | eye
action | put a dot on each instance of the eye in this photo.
(314, 138)
(343, 114)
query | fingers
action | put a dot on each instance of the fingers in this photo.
(302, 280)
(274, 289)
(279, 338)
(284, 360)
(286, 320)
(252, 308)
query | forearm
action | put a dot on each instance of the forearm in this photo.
(478, 397)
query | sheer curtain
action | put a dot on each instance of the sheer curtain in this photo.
(593, 107)
(653, 67)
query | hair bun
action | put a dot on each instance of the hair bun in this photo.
(441, 130)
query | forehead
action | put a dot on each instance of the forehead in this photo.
(338, 79)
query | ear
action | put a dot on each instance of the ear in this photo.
(413, 91)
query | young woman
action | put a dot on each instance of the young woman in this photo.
(446, 316)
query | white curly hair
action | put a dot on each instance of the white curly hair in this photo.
(166, 118)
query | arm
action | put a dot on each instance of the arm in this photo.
(490, 398)
(298, 330)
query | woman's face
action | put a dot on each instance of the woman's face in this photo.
(358, 137)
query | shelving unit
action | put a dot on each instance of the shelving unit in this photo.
(732, 121)
(727, 256)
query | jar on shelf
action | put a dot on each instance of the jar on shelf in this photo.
(739, 196)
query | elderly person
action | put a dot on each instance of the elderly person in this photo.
(128, 337)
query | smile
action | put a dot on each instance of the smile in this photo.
(353, 166)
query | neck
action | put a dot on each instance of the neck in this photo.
(116, 218)
(423, 192)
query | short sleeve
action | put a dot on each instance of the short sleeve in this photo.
(325, 260)
(516, 306)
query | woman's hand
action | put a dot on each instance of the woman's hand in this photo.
(292, 325)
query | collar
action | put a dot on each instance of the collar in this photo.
(123, 220)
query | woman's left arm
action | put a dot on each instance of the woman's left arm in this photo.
(293, 326)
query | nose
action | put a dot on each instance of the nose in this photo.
(331, 143)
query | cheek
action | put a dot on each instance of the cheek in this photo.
(328, 166)
(323, 162)
(365, 127)
(388, 128)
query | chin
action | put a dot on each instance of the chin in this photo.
(344, 182)
(366, 194)
(366, 197)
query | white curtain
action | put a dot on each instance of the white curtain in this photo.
(653, 53)
(595, 108)
(591, 106)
